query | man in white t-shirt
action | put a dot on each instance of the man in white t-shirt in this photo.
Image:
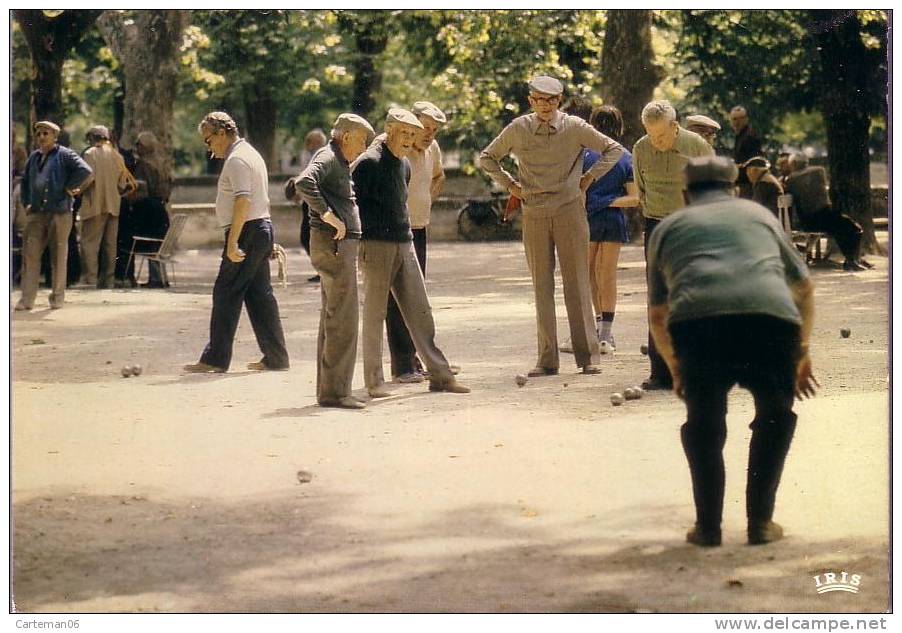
(242, 210)
(426, 181)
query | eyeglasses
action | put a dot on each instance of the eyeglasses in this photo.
(545, 100)
(43, 133)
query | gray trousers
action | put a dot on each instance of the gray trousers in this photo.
(41, 229)
(98, 244)
(336, 346)
(392, 267)
(566, 232)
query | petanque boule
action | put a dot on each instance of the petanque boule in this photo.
(520, 379)
(629, 393)
(136, 370)
(616, 399)
(126, 371)
(305, 476)
(639, 391)
(845, 332)
(644, 349)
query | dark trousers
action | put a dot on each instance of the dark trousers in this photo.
(842, 228)
(145, 218)
(305, 227)
(246, 282)
(403, 352)
(659, 369)
(760, 354)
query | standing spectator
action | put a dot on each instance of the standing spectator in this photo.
(808, 187)
(126, 230)
(381, 176)
(747, 145)
(325, 185)
(659, 158)
(704, 126)
(766, 189)
(314, 140)
(426, 180)
(52, 176)
(100, 207)
(242, 208)
(605, 200)
(549, 147)
(730, 302)
(148, 206)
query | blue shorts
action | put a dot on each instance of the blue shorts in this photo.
(608, 225)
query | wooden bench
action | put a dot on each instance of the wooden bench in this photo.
(808, 242)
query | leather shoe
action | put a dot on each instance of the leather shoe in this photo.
(203, 368)
(656, 384)
(259, 365)
(21, 306)
(591, 369)
(410, 377)
(763, 533)
(852, 266)
(348, 402)
(703, 538)
(451, 387)
(539, 371)
(378, 392)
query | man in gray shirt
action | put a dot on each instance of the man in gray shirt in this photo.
(325, 185)
(548, 145)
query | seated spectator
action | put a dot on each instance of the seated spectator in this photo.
(808, 187)
(765, 186)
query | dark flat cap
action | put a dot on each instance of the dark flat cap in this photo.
(50, 125)
(712, 169)
(547, 85)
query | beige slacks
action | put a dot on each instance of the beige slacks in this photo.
(98, 244)
(41, 229)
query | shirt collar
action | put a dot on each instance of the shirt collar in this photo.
(232, 147)
(336, 149)
(553, 125)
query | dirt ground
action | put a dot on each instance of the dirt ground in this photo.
(180, 493)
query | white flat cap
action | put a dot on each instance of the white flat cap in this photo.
(348, 122)
(425, 108)
(50, 125)
(702, 121)
(400, 115)
(547, 85)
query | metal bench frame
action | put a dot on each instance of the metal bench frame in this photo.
(165, 249)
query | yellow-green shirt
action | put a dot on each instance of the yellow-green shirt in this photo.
(659, 175)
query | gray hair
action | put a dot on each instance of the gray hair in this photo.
(739, 110)
(216, 121)
(658, 111)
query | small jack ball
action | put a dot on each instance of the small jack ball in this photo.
(644, 349)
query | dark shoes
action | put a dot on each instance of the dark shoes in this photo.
(315, 279)
(155, 284)
(451, 387)
(259, 365)
(852, 266)
(203, 368)
(348, 402)
(656, 384)
(539, 371)
(703, 538)
(763, 533)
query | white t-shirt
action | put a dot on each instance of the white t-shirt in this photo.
(243, 175)
(424, 166)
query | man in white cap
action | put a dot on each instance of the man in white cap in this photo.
(426, 180)
(549, 148)
(325, 185)
(381, 175)
(730, 301)
(242, 210)
(704, 126)
(100, 205)
(53, 175)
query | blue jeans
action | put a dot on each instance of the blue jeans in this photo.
(246, 282)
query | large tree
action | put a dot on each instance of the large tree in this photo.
(369, 30)
(147, 45)
(51, 34)
(629, 71)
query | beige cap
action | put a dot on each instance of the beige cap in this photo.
(757, 161)
(711, 169)
(400, 115)
(49, 125)
(702, 121)
(348, 122)
(425, 108)
(547, 85)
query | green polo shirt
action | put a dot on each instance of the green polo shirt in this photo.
(659, 175)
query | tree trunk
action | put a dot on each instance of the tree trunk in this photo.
(628, 67)
(49, 41)
(370, 32)
(844, 70)
(147, 44)
(260, 112)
